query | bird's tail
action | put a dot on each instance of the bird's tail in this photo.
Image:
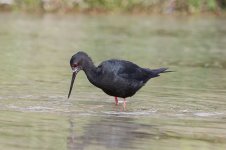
(156, 72)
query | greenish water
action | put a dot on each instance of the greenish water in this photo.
(181, 110)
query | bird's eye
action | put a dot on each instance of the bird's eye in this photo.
(74, 65)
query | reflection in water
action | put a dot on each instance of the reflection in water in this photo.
(109, 132)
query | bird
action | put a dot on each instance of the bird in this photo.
(117, 78)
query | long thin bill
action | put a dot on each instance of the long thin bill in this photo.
(72, 82)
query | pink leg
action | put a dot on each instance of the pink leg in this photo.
(124, 104)
(116, 100)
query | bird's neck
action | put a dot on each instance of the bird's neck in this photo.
(90, 71)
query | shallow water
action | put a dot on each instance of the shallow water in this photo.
(181, 110)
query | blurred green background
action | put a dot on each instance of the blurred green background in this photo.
(100, 6)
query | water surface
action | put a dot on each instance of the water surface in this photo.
(181, 110)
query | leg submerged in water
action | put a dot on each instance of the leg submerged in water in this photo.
(124, 104)
(116, 100)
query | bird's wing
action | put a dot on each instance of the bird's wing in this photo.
(130, 70)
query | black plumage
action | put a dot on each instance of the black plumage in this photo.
(117, 78)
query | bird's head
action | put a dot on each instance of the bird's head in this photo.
(77, 62)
